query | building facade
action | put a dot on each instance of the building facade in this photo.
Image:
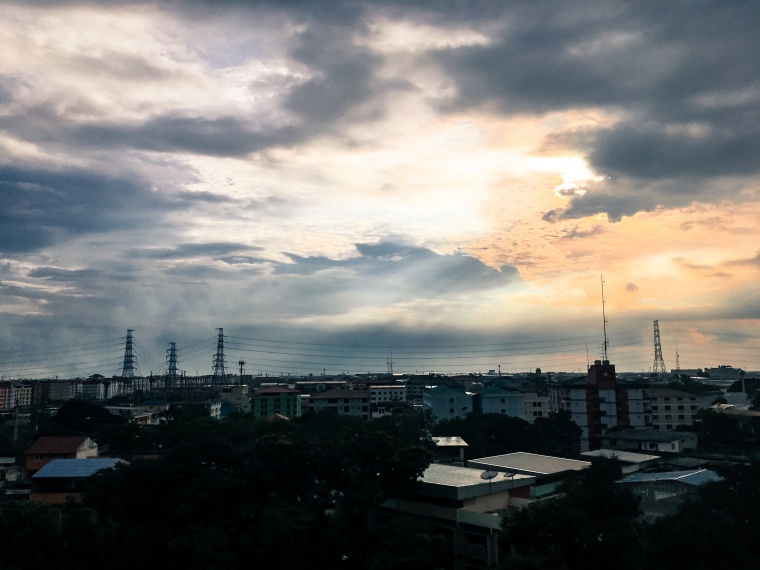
(267, 402)
(600, 401)
(342, 402)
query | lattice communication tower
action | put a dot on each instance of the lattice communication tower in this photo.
(128, 368)
(659, 363)
(219, 362)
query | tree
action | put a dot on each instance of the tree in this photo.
(24, 527)
(592, 524)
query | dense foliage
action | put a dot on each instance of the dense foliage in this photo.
(495, 434)
(596, 524)
(242, 492)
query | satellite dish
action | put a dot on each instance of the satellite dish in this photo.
(488, 475)
(508, 474)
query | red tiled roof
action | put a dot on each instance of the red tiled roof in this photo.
(56, 444)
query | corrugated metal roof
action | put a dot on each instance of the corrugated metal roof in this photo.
(449, 442)
(624, 456)
(692, 477)
(73, 468)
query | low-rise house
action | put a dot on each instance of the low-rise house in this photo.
(48, 448)
(62, 480)
(449, 449)
(661, 493)
(465, 506)
(137, 414)
(656, 440)
(630, 462)
(548, 471)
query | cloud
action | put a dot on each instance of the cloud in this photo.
(416, 271)
(631, 287)
(62, 274)
(41, 205)
(192, 250)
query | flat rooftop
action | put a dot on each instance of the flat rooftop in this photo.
(529, 464)
(452, 481)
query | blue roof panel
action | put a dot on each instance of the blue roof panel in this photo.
(68, 468)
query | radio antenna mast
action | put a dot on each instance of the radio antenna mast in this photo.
(604, 319)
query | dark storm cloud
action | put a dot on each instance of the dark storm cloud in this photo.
(418, 270)
(686, 73)
(192, 250)
(38, 204)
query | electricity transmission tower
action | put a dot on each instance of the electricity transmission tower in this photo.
(128, 368)
(219, 363)
(171, 358)
(659, 364)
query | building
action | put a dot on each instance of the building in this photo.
(547, 471)
(342, 402)
(237, 396)
(448, 402)
(650, 440)
(384, 393)
(630, 462)
(661, 493)
(599, 401)
(93, 390)
(511, 402)
(47, 448)
(62, 480)
(673, 408)
(273, 400)
(465, 507)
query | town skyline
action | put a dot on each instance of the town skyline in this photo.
(378, 177)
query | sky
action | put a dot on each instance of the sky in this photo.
(348, 186)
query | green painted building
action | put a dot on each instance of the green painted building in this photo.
(274, 400)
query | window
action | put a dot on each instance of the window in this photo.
(655, 408)
(694, 407)
(681, 417)
(667, 407)
(451, 400)
(680, 408)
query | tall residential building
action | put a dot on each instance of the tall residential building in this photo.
(599, 401)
